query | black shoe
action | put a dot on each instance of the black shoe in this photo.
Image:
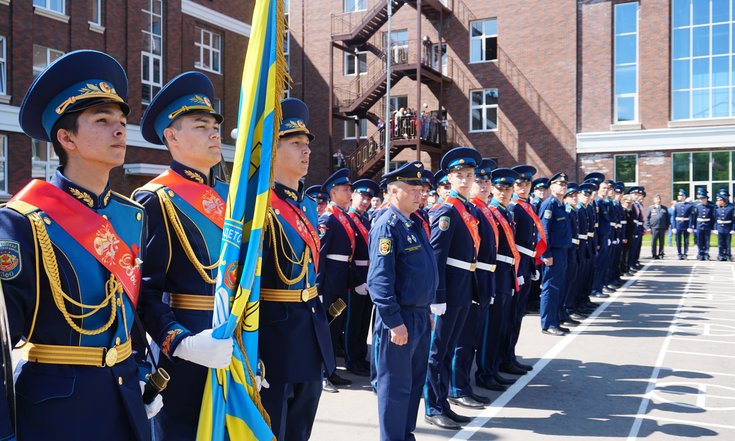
(491, 384)
(525, 367)
(600, 295)
(571, 322)
(467, 402)
(481, 398)
(339, 381)
(554, 331)
(564, 330)
(456, 417)
(512, 369)
(503, 380)
(442, 421)
(358, 370)
(608, 289)
(575, 316)
(328, 387)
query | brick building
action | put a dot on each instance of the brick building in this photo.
(154, 40)
(641, 90)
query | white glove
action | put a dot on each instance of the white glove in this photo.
(732, 231)
(608, 242)
(261, 383)
(521, 281)
(361, 289)
(673, 231)
(689, 230)
(438, 308)
(205, 350)
(156, 405)
(536, 275)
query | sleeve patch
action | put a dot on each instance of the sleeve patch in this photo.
(444, 223)
(385, 246)
(547, 214)
(10, 261)
(322, 231)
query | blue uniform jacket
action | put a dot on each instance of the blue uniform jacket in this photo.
(704, 216)
(573, 218)
(105, 402)
(585, 243)
(504, 249)
(487, 256)
(592, 226)
(724, 218)
(403, 272)
(335, 276)
(293, 340)
(525, 236)
(682, 215)
(450, 238)
(603, 218)
(360, 259)
(555, 223)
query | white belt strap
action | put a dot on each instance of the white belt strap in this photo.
(583, 236)
(703, 219)
(724, 221)
(506, 259)
(526, 251)
(623, 223)
(592, 234)
(575, 241)
(362, 262)
(461, 264)
(682, 218)
(486, 267)
(338, 257)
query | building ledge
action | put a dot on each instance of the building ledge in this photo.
(203, 13)
(43, 12)
(625, 126)
(95, 27)
(144, 169)
(681, 138)
(5, 99)
(6, 3)
(703, 122)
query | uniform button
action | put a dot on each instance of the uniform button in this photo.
(119, 302)
(313, 310)
(139, 216)
(47, 220)
(117, 341)
(171, 193)
(105, 216)
(119, 381)
(304, 208)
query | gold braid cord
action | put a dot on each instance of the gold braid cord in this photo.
(113, 287)
(183, 240)
(271, 222)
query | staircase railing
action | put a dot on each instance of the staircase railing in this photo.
(346, 22)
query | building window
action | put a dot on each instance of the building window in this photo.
(355, 63)
(354, 5)
(42, 57)
(702, 55)
(351, 129)
(96, 12)
(3, 164)
(626, 169)
(152, 52)
(398, 102)
(43, 160)
(3, 66)
(52, 5)
(210, 49)
(626, 62)
(287, 47)
(483, 110)
(398, 46)
(483, 40)
(217, 106)
(709, 170)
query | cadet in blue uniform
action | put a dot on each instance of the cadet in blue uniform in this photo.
(573, 261)
(506, 284)
(681, 223)
(603, 232)
(639, 193)
(470, 340)
(724, 218)
(293, 340)
(559, 237)
(703, 216)
(540, 188)
(456, 242)
(585, 235)
(402, 280)
(614, 280)
(71, 253)
(321, 199)
(185, 207)
(359, 306)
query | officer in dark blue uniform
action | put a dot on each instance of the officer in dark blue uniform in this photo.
(359, 306)
(613, 276)
(402, 280)
(183, 247)
(540, 187)
(498, 317)
(681, 223)
(573, 257)
(602, 233)
(723, 221)
(703, 216)
(588, 198)
(71, 252)
(442, 188)
(456, 242)
(470, 340)
(559, 238)
(321, 198)
(585, 235)
(293, 339)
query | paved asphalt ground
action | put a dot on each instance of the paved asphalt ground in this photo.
(655, 362)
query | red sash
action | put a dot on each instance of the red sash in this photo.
(482, 206)
(89, 229)
(511, 241)
(340, 215)
(541, 246)
(424, 224)
(360, 226)
(468, 220)
(298, 222)
(202, 197)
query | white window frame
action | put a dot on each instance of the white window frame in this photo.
(484, 107)
(351, 124)
(49, 51)
(4, 164)
(3, 65)
(354, 6)
(154, 86)
(615, 168)
(635, 96)
(482, 38)
(353, 60)
(47, 6)
(209, 45)
(50, 164)
(96, 19)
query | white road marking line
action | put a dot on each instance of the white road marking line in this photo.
(689, 338)
(702, 396)
(706, 354)
(692, 423)
(499, 403)
(636, 427)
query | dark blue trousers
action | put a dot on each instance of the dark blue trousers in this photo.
(496, 319)
(292, 408)
(468, 344)
(517, 311)
(703, 243)
(723, 245)
(614, 264)
(357, 325)
(401, 373)
(601, 264)
(682, 242)
(552, 288)
(444, 338)
(582, 282)
(570, 284)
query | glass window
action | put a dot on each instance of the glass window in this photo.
(43, 160)
(720, 166)
(351, 129)
(398, 44)
(626, 62)
(152, 52)
(483, 110)
(681, 166)
(52, 5)
(42, 57)
(626, 169)
(398, 102)
(700, 166)
(354, 5)
(96, 12)
(355, 63)
(3, 164)
(3, 67)
(483, 40)
(210, 51)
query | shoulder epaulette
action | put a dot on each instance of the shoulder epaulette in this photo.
(393, 220)
(22, 207)
(151, 187)
(127, 200)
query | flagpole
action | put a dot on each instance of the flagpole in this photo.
(389, 56)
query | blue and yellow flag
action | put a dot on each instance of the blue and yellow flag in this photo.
(231, 408)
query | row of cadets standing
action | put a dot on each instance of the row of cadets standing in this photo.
(723, 219)
(703, 216)
(639, 193)
(574, 258)
(581, 305)
(456, 242)
(603, 233)
(540, 188)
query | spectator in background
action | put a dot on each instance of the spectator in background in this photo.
(657, 221)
